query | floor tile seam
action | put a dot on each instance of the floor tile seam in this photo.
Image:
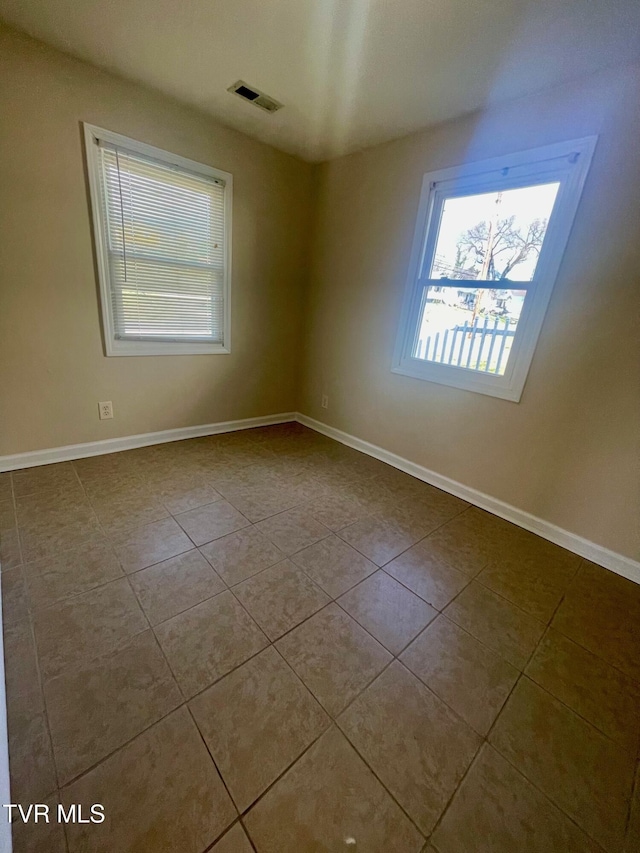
(329, 723)
(308, 690)
(126, 641)
(421, 597)
(339, 533)
(408, 548)
(280, 775)
(548, 798)
(68, 599)
(115, 532)
(468, 633)
(450, 707)
(422, 833)
(332, 597)
(290, 556)
(296, 506)
(593, 725)
(179, 612)
(192, 547)
(13, 494)
(121, 746)
(38, 491)
(293, 627)
(596, 654)
(22, 530)
(237, 583)
(244, 490)
(525, 675)
(474, 760)
(439, 613)
(102, 658)
(86, 494)
(67, 550)
(445, 702)
(635, 791)
(173, 515)
(133, 592)
(96, 499)
(443, 612)
(540, 622)
(160, 646)
(212, 844)
(43, 699)
(521, 675)
(289, 630)
(82, 503)
(543, 620)
(373, 636)
(335, 726)
(117, 648)
(335, 531)
(189, 697)
(218, 771)
(155, 637)
(246, 832)
(334, 715)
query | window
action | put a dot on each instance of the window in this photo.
(488, 244)
(162, 227)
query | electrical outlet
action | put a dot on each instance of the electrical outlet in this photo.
(105, 410)
(325, 401)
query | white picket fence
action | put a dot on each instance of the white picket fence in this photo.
(475, 346)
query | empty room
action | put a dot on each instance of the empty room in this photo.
(320, 426)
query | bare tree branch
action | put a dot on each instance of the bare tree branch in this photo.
(509, 247)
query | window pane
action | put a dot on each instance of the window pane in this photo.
(472, 328)
(159, 212)
(166, 232)
(492, 236)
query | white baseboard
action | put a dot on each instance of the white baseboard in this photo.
(618, 563)
(128, 442)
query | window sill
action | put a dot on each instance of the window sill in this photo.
(465, 380)
(133, 348)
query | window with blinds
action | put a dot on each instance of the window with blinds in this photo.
(162, 228)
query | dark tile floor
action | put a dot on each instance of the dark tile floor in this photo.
(267, 641)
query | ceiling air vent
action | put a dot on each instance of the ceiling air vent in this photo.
(255, 96)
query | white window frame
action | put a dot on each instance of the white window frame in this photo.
(565, 162)
(113, 346)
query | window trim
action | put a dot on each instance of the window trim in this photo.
(113, 346)
(567, 162)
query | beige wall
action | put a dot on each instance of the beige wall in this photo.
(52, 368)
(569, 451)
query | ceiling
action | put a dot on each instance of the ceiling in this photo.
(351, 73)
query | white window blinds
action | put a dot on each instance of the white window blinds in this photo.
(164, 248)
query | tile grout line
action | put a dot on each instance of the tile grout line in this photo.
(396, 657)
(508, 760)
(334, 600)
(635, 792)
(486, 742)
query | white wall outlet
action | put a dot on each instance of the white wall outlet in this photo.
(106, 410)
(325, 401)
